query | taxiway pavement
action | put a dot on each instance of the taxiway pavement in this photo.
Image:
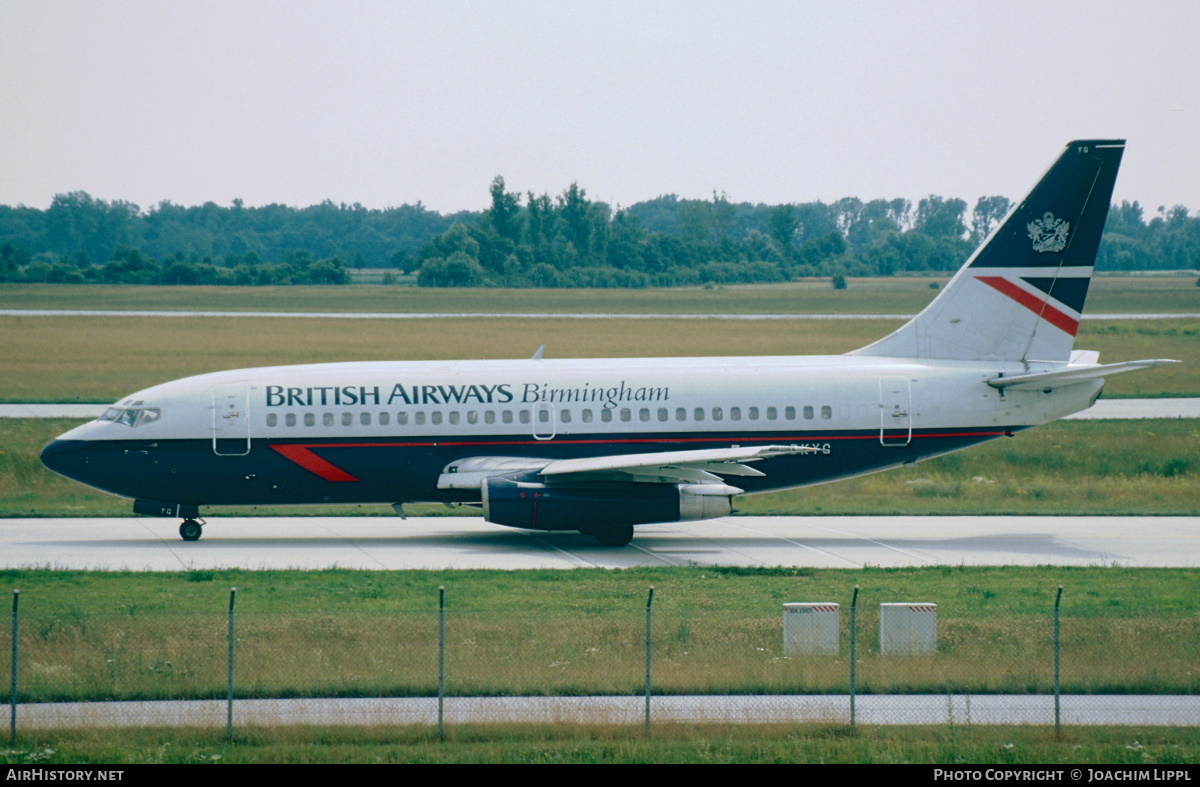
(389, 543)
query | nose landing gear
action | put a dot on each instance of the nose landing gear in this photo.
(191, 529)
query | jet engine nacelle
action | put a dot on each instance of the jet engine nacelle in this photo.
(604, 505)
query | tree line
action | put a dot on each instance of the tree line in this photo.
(531, 240)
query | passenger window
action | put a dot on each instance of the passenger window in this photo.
(290, 419)
(698, 414)
(472, 417)
(419, 418)
(663, 414)
(626, 414)
(680, 414)
(606, 415)
(347, 419)
(506, 416)
(489, 416)
(310, 419)
(826, 412)
(772, 414)
(717, 415)
(808, 413)
(753, 413)
(402, 419)
(272, 419)
(565, 416)
(435, 417)
(587, 415)
(364, 419)
(327, 419)
(643, 414)
(454, 416)
(789, 413)
(525, 417)
(384, 419)
(735, 413)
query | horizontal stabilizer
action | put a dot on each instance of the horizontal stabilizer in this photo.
(1071, 374)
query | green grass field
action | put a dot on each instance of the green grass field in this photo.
(101, 359)
(115, 635)
(891, 295)
(563, 744)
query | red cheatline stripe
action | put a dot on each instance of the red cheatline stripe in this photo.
(313, 463)
(1058, 319)
(301, 453)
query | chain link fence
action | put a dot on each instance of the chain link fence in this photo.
(460, 664)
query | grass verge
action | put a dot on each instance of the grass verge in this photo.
(568, 744)
(870, 295)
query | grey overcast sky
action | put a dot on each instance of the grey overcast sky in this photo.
(390, 102)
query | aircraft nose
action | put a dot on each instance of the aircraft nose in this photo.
(59, 453)
(52, 454)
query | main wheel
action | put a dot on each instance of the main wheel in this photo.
(614, 536)
(190, 530)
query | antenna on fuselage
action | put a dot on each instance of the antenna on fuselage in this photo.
(537, 356)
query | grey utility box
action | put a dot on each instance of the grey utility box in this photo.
(810, 629)
(908, 628)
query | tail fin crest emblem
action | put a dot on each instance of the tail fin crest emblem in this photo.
(1048, 233)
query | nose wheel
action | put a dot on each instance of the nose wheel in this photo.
(190, 530)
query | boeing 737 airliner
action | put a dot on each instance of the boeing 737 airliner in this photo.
(599, 446)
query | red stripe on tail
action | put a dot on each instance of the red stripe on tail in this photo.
(1064, 322)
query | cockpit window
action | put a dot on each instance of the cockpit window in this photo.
(132, 416)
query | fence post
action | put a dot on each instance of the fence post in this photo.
(229, 672)
(853, 658)
(649, 601)
(1057, 651)
(441, 661)
(12, 686)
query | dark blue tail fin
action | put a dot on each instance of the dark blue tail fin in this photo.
(1021, 294)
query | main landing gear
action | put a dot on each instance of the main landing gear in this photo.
(612, 536)
(190, 530)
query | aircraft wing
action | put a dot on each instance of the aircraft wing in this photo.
(702, 466)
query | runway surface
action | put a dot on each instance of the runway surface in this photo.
(1103, 410)
(389, 543)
